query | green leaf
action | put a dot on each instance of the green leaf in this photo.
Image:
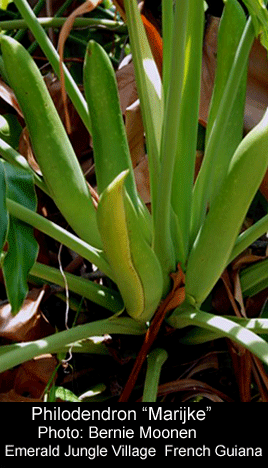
(10, 129)
(232, 25)
(187, 127)
(3, 209)
(22, 246)
(66, 395)
(226, 114)
(135, 267)
(15, 354)
(186, 315)
(254, 278)
(259, 14)
(211, 251)
(149, 89)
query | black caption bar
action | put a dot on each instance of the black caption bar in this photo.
(86, 432)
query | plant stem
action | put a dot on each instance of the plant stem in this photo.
(223, 327)
(61, 235)
(246, 238)
(51, 344)
(201, 335)
(58, 22)
(37, 8)
(101, 295)
(155, 361)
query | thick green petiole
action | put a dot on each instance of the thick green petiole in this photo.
(101, 295)
(211, 251)
(58, 22)
(51, 344)
(220, 326)
(52, 148)
(155, 361)
(61, 235)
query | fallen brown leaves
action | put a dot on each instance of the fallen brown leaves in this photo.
(228, 299)
(28, 381)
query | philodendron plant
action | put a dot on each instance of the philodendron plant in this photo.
(193, 230)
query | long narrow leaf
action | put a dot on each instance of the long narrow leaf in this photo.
(149, 88)
(254, 278)
(22, 246)
(250, 235)
(212, 249)
(111, 151)
(232, 24)
(58, 233)
(187, 130)
(163, 244)
(167, 33)
(202, 188)
(3, 208)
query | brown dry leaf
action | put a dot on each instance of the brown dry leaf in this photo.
(125, 76)
(27, 382)
(131, 111)
(208, 361)
(130, 107)
(28, 323)
(25, 149)
(141, 173)
(243, 367)
(244, 363)
(78, 134)
(33, 376)
(86, 7)
(192, 388)
(13, 396)
(135, 132)
(257, 86)
(9, 97)
(234, 293)
(261, 378)
(208, 68)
